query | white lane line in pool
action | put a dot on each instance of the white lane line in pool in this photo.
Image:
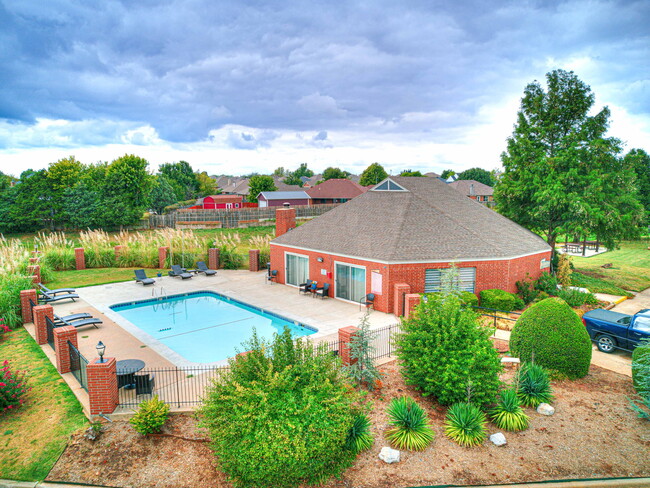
(205, 328)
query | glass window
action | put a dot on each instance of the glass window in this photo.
(433, 279)
(297, 269)
(642, 324)
(350, 282)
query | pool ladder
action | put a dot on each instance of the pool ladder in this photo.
(163, 294)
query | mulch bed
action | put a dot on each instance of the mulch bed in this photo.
(593, 434)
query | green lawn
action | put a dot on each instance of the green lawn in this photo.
(33, 437)
(96, 276)
(630, 266)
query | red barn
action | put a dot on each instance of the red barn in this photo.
(222, 201)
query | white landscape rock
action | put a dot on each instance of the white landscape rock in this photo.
(498, 439)
(545, 409)
(389, 455)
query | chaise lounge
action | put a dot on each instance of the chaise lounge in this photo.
(141, 277)
(203, 268)
(46, 290)
(177, 271)
(77, 323)
(47, 298)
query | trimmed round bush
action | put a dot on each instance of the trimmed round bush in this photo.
(552, 335)
(640, 366)
(501, 300)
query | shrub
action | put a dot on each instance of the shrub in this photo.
(359, 437)
(150, 417)
(12, 388)
(59, 258)
(4, 329)
(465, 424)
(575, 298)
(281, 416)
(466, 298)
(640, 368)
(501, 300)
(526, 290)
(10, 287)
(410, 426)
(363, 369)
(508, 414)
(533, 385)
(554, 336)
(546, 283)
(443, 350)
(563, 273)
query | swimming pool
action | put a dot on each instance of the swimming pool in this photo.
(204, 326)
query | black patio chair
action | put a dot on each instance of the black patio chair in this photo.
(368, 301)
(323, 291)
(177, 271)
(46, 290)
(70, 318)
(144, 383)
(78, 323)
(203, 268)
(305, 287)
(272, 276)
(47, 298)
(141, 277)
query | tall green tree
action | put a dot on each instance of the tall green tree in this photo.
(292, 179)
(126, 190)
(27, 206)
(303, 170)
(206, 185)
(477, 174)
(561, 172)
(334, 173)
(639, 161)
(161, 195)
(447, 173)
(280, 171)
(408, 172)
(62, 176)
(182, 178)
(372, 175)
(259, 183)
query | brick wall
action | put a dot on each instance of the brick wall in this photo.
(213, 258)
(40, 326)
(254, 260)
(285, 220)
(35, 272)
(102, 386)
(162, 256)
(345, 336)
(79, 258)
(489, 274)
(399, 297)
(61, 348)
(411, 301)
(25, 306)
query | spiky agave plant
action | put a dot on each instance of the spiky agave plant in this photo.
(411, 428)
(508, 414)
(359, 437)
(533, 385)
(465, 423)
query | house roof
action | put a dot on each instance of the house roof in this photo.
(284, 195)
(336, 188)
(282, 186)
(426, 221)
(471, 187)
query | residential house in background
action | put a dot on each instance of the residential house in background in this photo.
(335, 191)
(212, 202)
(279, 198)
(475, 190)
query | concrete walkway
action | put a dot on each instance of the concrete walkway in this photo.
(631, 306)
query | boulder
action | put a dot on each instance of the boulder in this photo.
(545, 409)
(389, 455)
(498, 439)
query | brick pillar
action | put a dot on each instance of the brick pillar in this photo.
(345, 336)
(33, 260)
(61, 337)
(25, 306)
(34, 271)
(40, 327)
(162, 256)
(412, 300)
(118, 251)
(401, 289)
(79, 258)
(213, 258)
(102, 386)
(285, 220)
(254, 260)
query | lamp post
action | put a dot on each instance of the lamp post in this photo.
(101, 348)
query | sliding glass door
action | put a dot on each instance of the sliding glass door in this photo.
(350, 282)
(297, 269)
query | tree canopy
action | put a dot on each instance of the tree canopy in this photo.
(477, 174)
(303, 170)
(182, 178)
(408, 172)
(372, 175)
(259, 183)
(447, 173)
(562, 174)
(334, 173)
(639, 161)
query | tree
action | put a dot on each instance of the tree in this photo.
(126, 190)
(63, 175)
(303, 170)
(206, 185)
(280, 171)
(182, 178)
(372, 175)
(161, 195)
(258, 184)
(363, 369)
(334, 173)
(477, 174)
(448, 173)
(408, 172)
(26, 207)
(639, 160)
(562, 173)
(293, 179)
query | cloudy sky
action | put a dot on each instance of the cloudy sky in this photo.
(235, 87)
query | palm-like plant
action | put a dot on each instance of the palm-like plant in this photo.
(533, 385)
(359, 437)
(508, 414)
(411, 428)
(465, 424)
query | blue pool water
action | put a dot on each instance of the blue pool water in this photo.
(204, 327)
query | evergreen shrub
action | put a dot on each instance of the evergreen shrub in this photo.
(501, 300)
(150, 417)
(640, 368)
(552, 335)
(444, 351)
(546, 283)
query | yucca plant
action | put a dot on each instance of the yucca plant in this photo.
(411, 428)
(359, 437)
(508, 414)
(533, 385)
(465, 424)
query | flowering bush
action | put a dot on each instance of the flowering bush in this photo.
(12, 388)
(3, 328)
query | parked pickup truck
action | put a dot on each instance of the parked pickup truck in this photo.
(613, 330)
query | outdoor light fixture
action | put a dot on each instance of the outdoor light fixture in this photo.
(320, 260)
(101, 348)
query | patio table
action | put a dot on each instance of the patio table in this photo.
(125, 369)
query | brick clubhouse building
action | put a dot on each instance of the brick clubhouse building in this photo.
(400, 237)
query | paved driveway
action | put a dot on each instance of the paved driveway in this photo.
(633, 305)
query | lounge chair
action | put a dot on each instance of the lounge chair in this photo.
(305, 287)
(368, 301)
(47, 298)
(144, 383)
(178, 271)
(272, 276)
(70, 318)
(203, 268)
(141, 277)
(46, 290)
(77, 324)
(323, 291)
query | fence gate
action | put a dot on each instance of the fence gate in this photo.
(78, 365)
(49, 325)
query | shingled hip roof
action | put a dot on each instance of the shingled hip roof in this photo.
(427, 221)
